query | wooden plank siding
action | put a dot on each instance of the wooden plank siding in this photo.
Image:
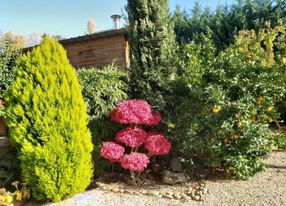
(98, 50)
(2, 127)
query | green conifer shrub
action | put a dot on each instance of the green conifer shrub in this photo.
(47, 120)
(152, 48)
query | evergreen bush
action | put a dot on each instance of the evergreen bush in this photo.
(152, 48)
(47, 121)
(8, 57)
(102, 88)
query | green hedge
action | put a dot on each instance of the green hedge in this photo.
(102, 88)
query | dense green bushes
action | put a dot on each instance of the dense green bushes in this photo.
(8, 56)
(102, 89)
(218, 101)
(225, 22)
(221, 104)
(47, 123)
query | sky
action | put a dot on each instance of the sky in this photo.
(69, 17)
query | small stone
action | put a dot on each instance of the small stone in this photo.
(144, 192)
(172, 178)
(185, 196)
(177, 196)
(197, 198)
(167, 196)
(169, 193)
(204, 190)
(189, 191)
(115, 189)
(135, 192)
(154, 192)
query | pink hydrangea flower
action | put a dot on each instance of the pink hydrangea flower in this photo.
(135, 162)
(131, 136)
(112, 151)
(157, 144)
(154, 118)
(132, 111)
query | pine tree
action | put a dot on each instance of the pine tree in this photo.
(280, 8)
(152, 46)
(47, 122)
(181, 25)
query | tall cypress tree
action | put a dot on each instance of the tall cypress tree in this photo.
(152, 45)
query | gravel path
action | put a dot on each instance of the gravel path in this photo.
(265, 188)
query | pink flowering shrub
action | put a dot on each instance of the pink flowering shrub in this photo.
(154, 118)
(135, 112)
(157, 144)
(131, 136)
(135, 161)
(112, 151)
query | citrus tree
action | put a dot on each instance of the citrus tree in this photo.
(221, 105)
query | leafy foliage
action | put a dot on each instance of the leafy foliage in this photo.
(102, 89)
(152, 49)
(280, 141)
(221, 104)
(47, 119)
(8, 57)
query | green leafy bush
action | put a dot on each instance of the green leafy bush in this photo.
(280, 140)
(47, 121)
(102, 89)
(8, 58)
(221, 105)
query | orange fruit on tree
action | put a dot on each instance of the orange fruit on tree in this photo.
(259, 99)
(269, 109)
(239, 125)
(235, 136)
(216, 109)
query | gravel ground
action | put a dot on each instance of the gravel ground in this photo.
(265, 188)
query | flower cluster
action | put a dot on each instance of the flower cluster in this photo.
(131, 136)
(135, 112)
(135, 161)
(157, 144)
(112, 151)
